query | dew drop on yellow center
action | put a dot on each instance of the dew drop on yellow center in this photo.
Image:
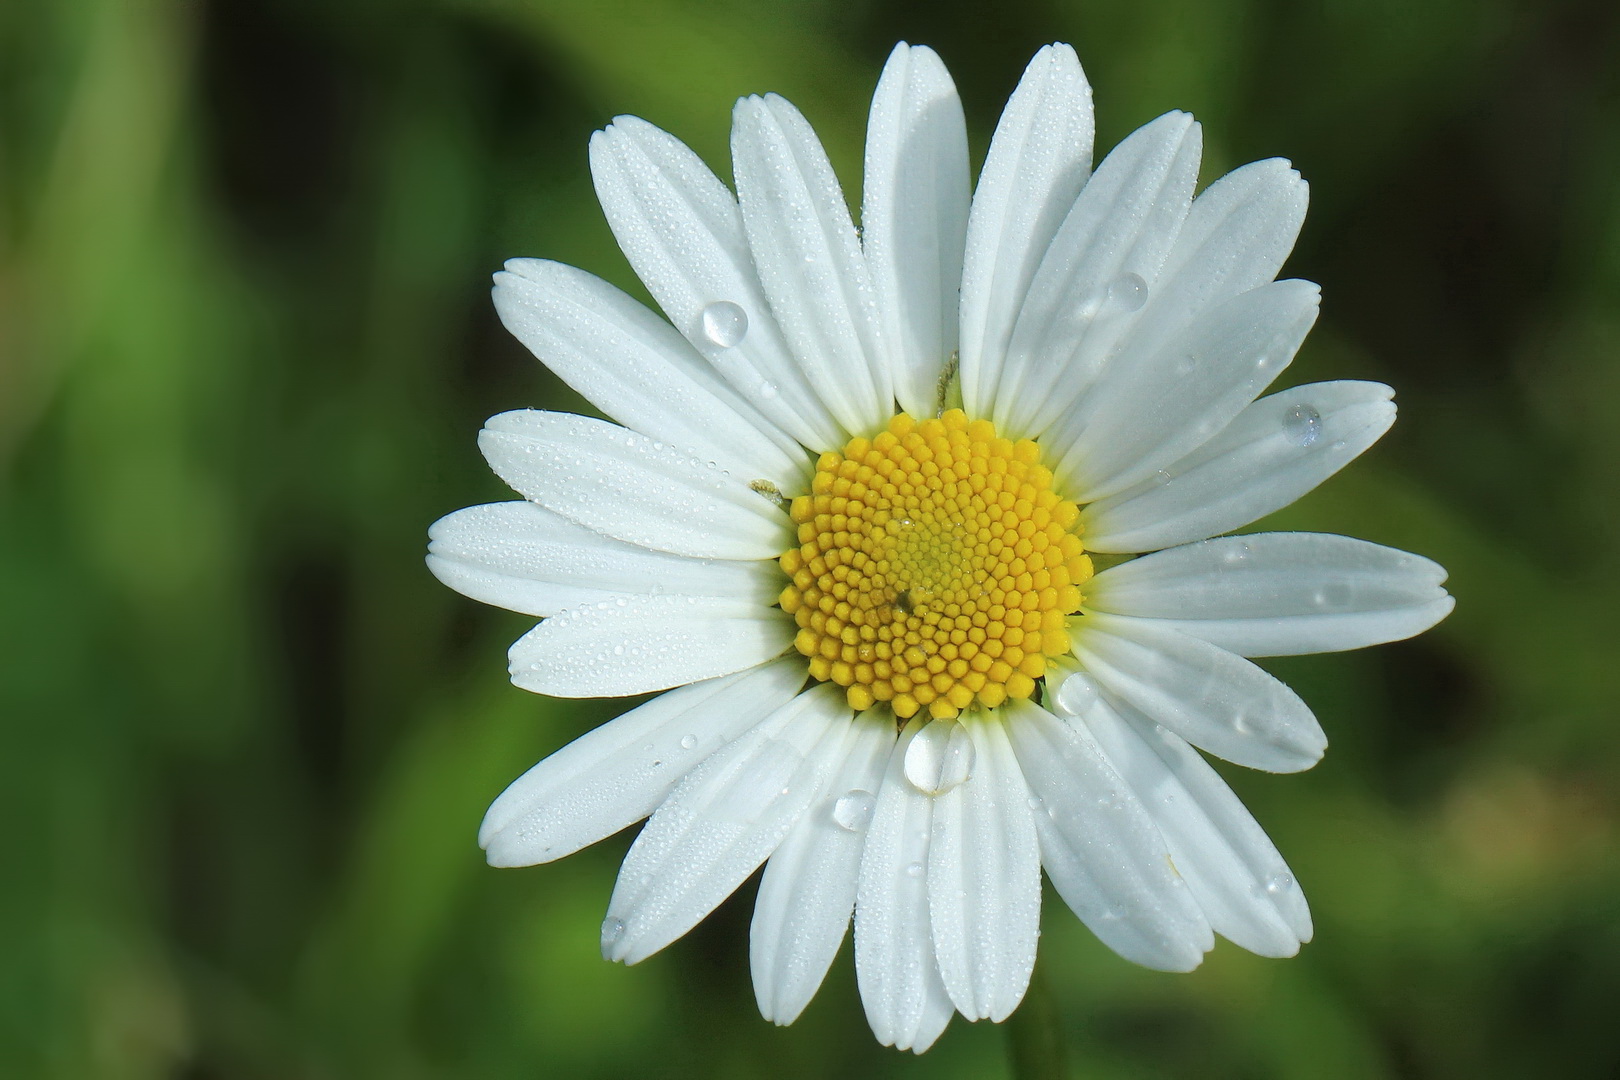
(936, 567)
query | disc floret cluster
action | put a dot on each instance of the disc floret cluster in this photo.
(936, 567)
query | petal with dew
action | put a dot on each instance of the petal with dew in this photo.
(721, 822)
(1243, 886)
(984, 879)
(631, 487)
(523, 557)
(1102, 263)
(631, 645)
(1214, 699)
(682, 232)
(1039, 159)
(637, 369)
(906, 1002)
(1273, 452)
(1151, 408)
(1279, 594)
(808, 892)
(914, 207)
(617, 774)
(810, 261)
(1102, 851)
(1236, 236)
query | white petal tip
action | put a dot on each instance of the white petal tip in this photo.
(505, 851)
(1293, 759)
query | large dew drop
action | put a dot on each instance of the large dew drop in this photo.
(1128, 292)
(853, 810)
(1279, 884)
(1302, 424)
(724, 323)
(1076, 695)
(940, 757)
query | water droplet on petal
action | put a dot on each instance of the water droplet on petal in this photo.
(914, 870)
(940, 757)
(1302, 424)
(724, 323)
(612, 931)
(853, 810)
(1233, 554)
(688, 742)
(1077, 694)
(767, 391)
(1279, 883)
(1128, 292)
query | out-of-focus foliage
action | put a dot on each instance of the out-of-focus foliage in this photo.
(245, 345)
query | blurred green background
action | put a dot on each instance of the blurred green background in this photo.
(245, 345)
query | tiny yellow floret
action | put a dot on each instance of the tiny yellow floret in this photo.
(935, 567)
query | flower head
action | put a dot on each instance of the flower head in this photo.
(846, 520)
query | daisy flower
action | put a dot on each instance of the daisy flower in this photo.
(845, 520)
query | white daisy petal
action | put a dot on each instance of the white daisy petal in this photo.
(906, 1002)
(682, 232)
(523, 557)
(937, 1013)
(984, 879)
(1150, 409)
(914, 217)
(634, 644)
(721, 822)
(810, 261)
(1101, 266)
(1215, 700)
(617, 774)
(1101, 849)
(808, 891)
(1039, 159)
(631, 487)
(633, 366)
(1239, 232)
(1279, 594)
(1275, 450)
(1243, 886)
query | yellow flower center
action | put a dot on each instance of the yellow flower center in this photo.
(936, 567)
